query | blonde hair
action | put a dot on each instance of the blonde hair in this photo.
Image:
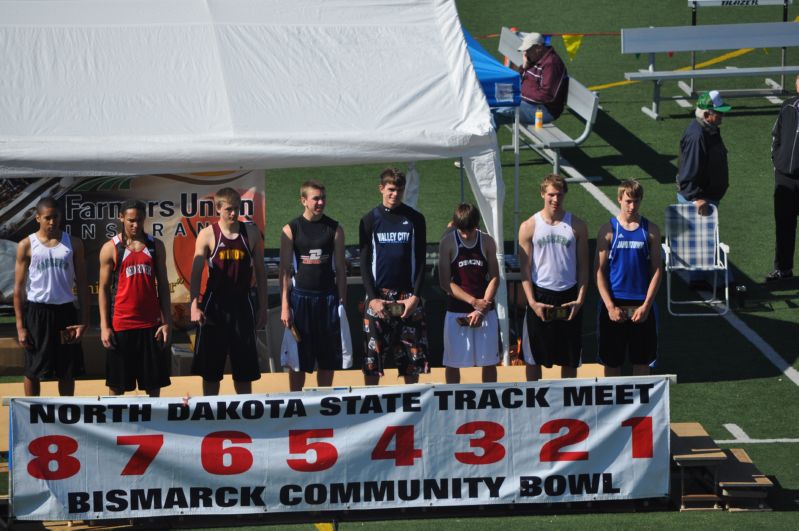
(311, 183)
(556, 181)
(632, 188)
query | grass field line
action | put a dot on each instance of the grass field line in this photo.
(759, 343)
(742, 438)
(709, 62)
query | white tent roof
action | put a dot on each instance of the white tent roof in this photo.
(106, 87)
(131, 87)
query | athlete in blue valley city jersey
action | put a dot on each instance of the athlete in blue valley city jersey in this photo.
(392, 242)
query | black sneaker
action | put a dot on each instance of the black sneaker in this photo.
(779, 274)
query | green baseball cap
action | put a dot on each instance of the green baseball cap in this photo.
(711, 101)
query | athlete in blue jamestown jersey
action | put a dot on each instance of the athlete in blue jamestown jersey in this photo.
(628, 273)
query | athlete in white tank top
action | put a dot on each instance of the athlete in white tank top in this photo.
(51, 273)
(554, 254)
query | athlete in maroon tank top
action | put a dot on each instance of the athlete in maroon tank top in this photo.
(230, 265)
(469, 270)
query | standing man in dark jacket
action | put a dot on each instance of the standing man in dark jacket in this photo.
(703, 176)
(785, 156)
(545, 83)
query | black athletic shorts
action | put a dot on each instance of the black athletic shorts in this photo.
(636, 341)
(229, 330)
(317, 321)
(48, 359)
(557, 342)
(137, 360)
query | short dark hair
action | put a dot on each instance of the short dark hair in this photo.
(47, 201)
(227, 194)
(133, 204)
(466, 217)
(392, 176)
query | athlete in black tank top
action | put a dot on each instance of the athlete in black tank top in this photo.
(313, 283)
(313, 248)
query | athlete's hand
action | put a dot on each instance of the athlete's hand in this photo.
(378, 307)
(24, 338)
(617, 315)
(197, 315)
(76, 333)
(285, 317)
(702, 207)
(260, 319)
(410, 305)
(475, 318)
(107, 338)
(575, 307)
(641, 313)
(481, 305)
(162, 334)
(539, 308)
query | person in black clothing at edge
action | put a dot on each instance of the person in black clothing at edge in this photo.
(785, 156)
(392, 241)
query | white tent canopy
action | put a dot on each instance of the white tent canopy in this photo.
(130, 87)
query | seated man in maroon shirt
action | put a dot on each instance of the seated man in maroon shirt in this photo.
(545, 83)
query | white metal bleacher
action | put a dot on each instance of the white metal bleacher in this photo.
(702, 38)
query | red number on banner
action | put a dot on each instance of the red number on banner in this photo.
(326, 453)
(577, 431)
(66, 465)
(404, 452)
(213, 452)
(492, 450)
(641, 435)
(149, 446)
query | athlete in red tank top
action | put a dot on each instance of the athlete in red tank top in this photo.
(134, 297)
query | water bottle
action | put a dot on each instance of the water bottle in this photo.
(539, 118)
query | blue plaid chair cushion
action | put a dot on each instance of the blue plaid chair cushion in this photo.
(692, 239)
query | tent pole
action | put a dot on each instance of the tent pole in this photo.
(461, 171)
(516, 184)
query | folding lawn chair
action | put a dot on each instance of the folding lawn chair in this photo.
(692, 244)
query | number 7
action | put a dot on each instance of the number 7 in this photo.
(149, 446)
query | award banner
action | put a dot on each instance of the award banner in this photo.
(329, 450)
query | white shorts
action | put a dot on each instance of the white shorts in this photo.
(466, 346)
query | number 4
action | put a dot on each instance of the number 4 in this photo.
(404, 452)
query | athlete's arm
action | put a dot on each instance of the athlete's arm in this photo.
(82, 285)
(20, 275)
(163, 333)
(420, 256)
(365, 231)
(490, 251)
(656, 266)
(581, 234)
(257, 250)
(107, 253)
(341, 265)
(526, 231)
(202, 248)
(286, 249)
(601, 264)
(445, 248)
